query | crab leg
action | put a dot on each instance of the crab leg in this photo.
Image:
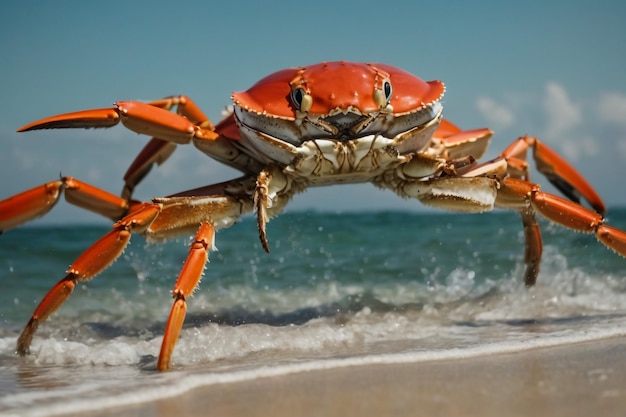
(166, 217)
(532, 235)
(534, 246)
(90, 263)
(185, 285)
(37, 201)
(156, 151)
(556, 169)
(560, 173)
(516, 193)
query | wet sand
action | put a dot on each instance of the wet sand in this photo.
(586, 379)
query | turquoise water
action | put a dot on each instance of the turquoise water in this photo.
(336, 290)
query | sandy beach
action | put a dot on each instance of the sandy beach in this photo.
(586, 379)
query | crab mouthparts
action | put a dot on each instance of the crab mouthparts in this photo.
(344, 125)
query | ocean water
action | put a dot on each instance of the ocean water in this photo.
(336, 290)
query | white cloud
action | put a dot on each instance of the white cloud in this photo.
(497, 115)
(563, 114)
(574, 150)
(612, 108)
(621, 147)
(580, 129)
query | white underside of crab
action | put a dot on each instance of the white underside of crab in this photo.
(319, 159)
(408, 163)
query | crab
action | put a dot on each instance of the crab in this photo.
(318, 125)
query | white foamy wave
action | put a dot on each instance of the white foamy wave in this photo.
(92, 395)
(331, 318)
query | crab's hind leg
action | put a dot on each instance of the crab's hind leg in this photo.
(527, 197)
(37, 201)
(534, 246)
(561, 174)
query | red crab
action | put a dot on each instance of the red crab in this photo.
(319, 125)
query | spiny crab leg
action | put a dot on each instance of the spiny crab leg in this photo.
(166, 217)
(556, 169)
(185, 285)
(37, 201)
(526, 196)
(90, 263)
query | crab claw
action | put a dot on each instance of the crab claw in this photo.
(137, 116)
(81, 119)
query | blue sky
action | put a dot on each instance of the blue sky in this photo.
(556, 70)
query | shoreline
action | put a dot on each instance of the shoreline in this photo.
(571, 380)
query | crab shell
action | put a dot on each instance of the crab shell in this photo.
(336, 100)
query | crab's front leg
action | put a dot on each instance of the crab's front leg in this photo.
(185, 285)
(165, 217)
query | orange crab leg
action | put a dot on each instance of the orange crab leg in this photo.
(187, 281)
(556, 169)
(90, 263)
(37, 201)
(563, 212)
(164, 218)
(534, 246)
(29, 204)
(155, 152)
(94, 199)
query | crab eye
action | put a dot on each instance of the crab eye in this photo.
(382, 97)
(301, 100)
(296, 97)
(387, 90)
